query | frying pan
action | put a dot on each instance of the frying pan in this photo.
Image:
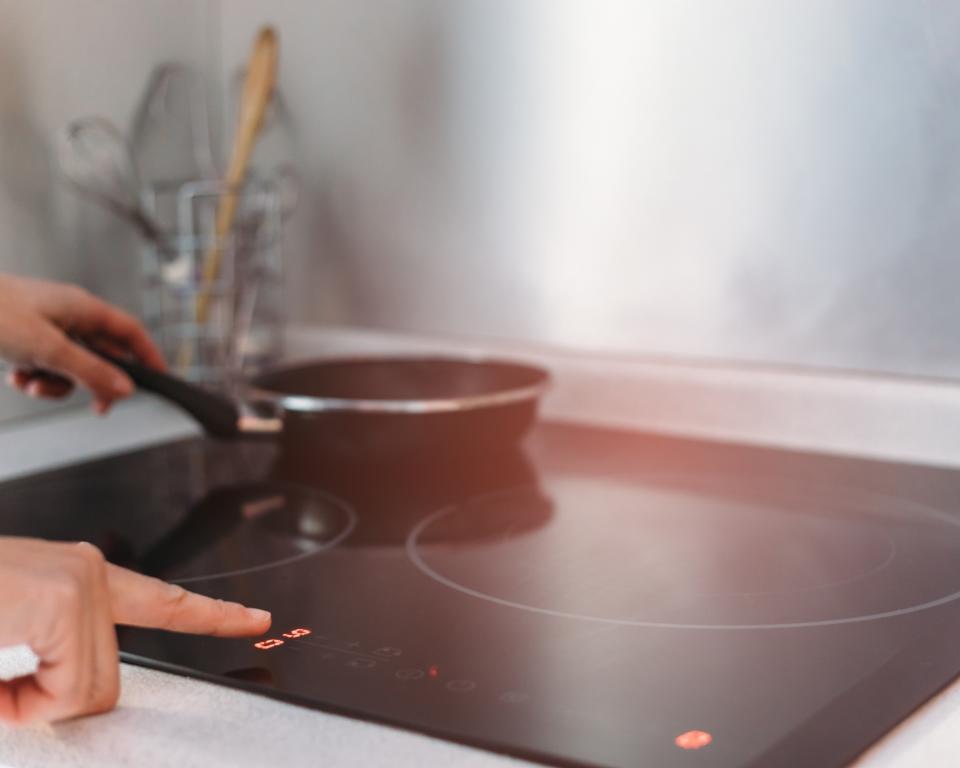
(368, 406)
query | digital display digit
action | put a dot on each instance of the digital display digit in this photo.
(273, 642)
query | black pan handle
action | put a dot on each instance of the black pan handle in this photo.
(217, 415)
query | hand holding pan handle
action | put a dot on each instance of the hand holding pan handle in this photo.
(218, 415)
(399, 403)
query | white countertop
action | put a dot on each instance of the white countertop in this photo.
(165, 720)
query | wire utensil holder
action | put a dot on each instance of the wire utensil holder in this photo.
(243, 331)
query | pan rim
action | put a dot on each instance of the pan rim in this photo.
(319, 404)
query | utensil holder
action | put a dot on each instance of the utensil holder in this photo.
(244, 330)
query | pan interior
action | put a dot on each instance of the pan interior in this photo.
(401, 379)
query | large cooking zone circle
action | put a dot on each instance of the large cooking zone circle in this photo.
(694, 553)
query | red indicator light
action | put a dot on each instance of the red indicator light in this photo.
(297, 633)
(693, 740)
(266, 645)
(434, 672)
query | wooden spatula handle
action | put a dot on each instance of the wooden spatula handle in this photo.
(257, 91)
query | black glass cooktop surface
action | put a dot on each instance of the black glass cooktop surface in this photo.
(595, 598)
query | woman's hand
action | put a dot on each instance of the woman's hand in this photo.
(39, 322)
(63, 601)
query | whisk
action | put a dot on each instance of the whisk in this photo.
(95, 157)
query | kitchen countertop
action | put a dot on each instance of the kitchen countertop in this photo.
(166, 720)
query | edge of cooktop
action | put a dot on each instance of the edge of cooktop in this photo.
(352, 713)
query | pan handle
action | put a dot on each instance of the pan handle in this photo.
(218, 416)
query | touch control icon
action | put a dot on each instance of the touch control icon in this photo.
(693, 740)
(362, 663)
(461, 686)
(410, 674)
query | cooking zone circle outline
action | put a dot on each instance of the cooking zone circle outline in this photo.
(349, 525)
(413, 543)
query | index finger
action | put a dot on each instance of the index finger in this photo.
(99, 317)
(143, 601)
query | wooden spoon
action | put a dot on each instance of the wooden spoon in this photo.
(257, 91)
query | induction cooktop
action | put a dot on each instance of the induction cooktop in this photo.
(591, 598)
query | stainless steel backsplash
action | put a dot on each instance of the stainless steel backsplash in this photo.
(763, 181)
(773, 182)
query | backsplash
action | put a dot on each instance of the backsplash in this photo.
(747, 181)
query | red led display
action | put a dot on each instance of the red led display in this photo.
(434, 671)
(693, 740)
(273, 642)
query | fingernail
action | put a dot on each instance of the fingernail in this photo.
(33, 389)
(257, 615)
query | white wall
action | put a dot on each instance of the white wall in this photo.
(61, 59)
